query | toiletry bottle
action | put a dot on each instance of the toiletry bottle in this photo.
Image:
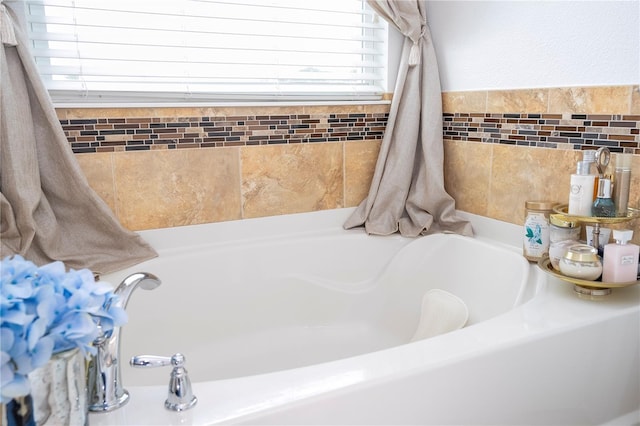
(536, 229)
(620, 260)
(589, 155)
(603, 206)
(581, 188)
(622, 183)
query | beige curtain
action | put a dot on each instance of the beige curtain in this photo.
(47, 209)
(407, 190)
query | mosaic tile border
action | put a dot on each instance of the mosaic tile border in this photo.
(141, 134)
(620, 133)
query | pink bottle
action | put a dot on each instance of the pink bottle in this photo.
(620, 263)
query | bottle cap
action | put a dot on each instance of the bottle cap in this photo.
(583, 167)
(622, 236)
(589, 155)
(623, 161)
(581, 253)
(604, 188)
(563, 221)
(539, 205)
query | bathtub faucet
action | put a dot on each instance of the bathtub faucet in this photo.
(103, 372)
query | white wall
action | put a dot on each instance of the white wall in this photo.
(531, 44)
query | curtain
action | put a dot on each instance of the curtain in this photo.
(407, 190)
(47, 209)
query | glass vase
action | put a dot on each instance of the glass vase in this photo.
(59, 390)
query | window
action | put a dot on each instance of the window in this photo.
(197, 50)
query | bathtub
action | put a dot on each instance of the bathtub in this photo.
(293, 320)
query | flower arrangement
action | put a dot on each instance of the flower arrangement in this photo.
(46, 310)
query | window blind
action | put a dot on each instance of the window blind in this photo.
(193, 50)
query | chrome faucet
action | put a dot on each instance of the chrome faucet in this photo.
(104, 382)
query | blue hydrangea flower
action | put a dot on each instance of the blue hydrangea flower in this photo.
(45, 310)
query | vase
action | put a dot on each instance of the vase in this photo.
(58, 394)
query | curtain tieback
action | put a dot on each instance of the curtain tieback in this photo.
(414, 54)
(7, 33)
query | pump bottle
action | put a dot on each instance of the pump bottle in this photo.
(582, 188)
(620, 259)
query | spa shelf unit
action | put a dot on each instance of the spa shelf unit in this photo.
(585, 287)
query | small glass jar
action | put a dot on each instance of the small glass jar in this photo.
(581, 261)
(536, 229)
(557, 250)
(562, 228)
(563, 234)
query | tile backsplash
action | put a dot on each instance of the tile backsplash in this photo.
(160, 167)
(620, 133)
(523, 145)
(111, 134)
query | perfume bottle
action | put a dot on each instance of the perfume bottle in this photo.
(620, 260)
(603, 206)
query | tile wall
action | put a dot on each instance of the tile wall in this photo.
(162, 167)
(492, 174)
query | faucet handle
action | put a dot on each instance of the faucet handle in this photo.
(180, 396)
(151, 361)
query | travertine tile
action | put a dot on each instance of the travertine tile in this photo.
(98, 169)
(517, 101)
(635, 100)
(159, 189)
(590, 100)
(464, 101)
(282, 179)
(522, 174)
(467, 174)
(377, 108)
(359, 164)
(338, 109)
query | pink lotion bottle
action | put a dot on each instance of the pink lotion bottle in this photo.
(620, 259)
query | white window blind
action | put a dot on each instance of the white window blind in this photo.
(195, 50)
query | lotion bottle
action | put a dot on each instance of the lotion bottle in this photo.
(620, 260)
(582, 188)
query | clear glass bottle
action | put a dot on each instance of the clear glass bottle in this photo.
(604, 206)
(536, 229)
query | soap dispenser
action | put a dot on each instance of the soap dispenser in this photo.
(620, 259)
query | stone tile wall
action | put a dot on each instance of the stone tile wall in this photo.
(494, 176)
(269, 161)
(263, 173)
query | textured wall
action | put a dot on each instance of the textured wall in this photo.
(507, 44)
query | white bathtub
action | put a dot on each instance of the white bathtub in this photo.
(292, 320)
